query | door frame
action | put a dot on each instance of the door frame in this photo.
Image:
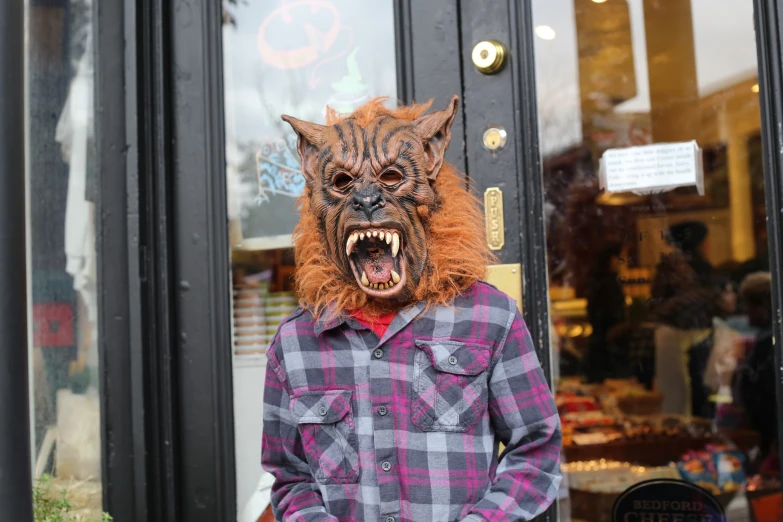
(164, 328)
(15, 362)
(122, 386)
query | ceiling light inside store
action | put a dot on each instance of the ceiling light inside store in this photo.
(545, 32)
(755, 88)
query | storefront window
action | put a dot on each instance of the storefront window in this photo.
(62, 188)
(659, 278)
(297, 58)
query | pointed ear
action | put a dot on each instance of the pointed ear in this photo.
(311, 138)
(435, 131)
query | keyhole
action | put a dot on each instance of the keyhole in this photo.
(484, 54)
(494, 139)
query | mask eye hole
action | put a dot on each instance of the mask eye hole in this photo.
(342, 180)
(391, 177)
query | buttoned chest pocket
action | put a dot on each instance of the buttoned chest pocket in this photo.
(325, 422)
(449, 384)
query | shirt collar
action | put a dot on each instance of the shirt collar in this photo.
(330, 319)
(403, 319)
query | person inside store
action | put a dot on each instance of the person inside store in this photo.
(605, 310)
(756, 375)
(691, 241)
(389, 390)
(670, 350)
(684, 340)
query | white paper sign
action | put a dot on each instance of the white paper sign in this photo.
(652, 168)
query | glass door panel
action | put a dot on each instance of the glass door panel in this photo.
(62, 182)
(282, 57)
(658, 271)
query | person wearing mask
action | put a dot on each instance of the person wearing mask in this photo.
(360, 421)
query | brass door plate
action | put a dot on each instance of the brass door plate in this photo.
(493, 217)
(508, 279)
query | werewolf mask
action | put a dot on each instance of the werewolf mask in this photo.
(382, 212)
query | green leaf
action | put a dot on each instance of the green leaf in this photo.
(48, 507)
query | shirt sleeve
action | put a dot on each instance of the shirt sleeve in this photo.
(295, 494)
(524, 416)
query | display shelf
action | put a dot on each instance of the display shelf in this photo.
(656, 452)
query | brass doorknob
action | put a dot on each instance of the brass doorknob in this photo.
(489, 56)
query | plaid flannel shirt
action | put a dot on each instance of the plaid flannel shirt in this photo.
(406, 427)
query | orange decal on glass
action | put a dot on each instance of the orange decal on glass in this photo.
(320, 38)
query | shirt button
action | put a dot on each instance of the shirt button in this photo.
(382, 411)
(389, 519)
(378, 353)
(452, 360)
(322, 411)
(386, 466)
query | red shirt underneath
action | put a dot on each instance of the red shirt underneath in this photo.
(378, 324)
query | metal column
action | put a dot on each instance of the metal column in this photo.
(15, 472)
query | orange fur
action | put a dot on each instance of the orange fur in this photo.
(457, 252)
(376, 108)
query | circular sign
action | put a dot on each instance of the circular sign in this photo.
(667, 500)
(314, 24)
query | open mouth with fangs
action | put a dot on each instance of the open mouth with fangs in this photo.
(376, 259)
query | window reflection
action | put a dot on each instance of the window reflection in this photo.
(659, 296)
(62, 180)
(282, 57)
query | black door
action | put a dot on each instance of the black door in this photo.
(231, 188)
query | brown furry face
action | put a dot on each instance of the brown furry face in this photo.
(370, 186)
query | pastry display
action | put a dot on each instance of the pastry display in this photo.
(607, 476)
(620, 420)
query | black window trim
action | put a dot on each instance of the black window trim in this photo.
(15, 443)
(768, 16)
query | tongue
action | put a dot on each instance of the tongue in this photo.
(378, 269)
